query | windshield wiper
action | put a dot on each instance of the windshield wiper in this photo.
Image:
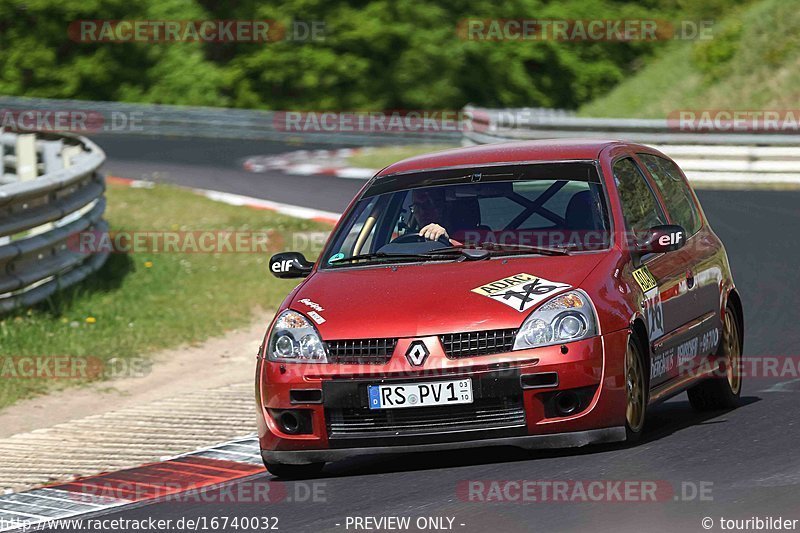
(504, 248)
(390, 257)
(473, 253)
(522, 248)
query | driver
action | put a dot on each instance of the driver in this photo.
(428, 209)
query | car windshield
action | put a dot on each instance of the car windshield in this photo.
(426, 216)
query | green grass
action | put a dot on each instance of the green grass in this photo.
(141, 302)
(753, 62)
(379, 157)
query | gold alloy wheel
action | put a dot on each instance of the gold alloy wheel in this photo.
(634, 387)
(732, 349)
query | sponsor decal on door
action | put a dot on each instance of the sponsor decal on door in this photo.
(653, 310)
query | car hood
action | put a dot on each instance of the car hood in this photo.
(417, 300)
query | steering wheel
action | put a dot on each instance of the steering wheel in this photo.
(416, 237)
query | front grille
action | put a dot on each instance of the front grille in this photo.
(361, 351)
(483, 414)
(474, 343)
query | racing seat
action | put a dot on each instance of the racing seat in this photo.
(582, 213)
(465, 218)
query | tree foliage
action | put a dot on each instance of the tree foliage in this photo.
(376, 54)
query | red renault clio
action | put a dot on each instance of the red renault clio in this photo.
(536, 294)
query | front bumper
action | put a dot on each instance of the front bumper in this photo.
(530, 442)
(506, 409)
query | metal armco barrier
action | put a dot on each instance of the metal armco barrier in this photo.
(50, 190)
(733, 157)
(117, 118)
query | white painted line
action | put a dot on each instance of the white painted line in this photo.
(307, 213)
(22, 503)
(248, 438)
(741, 177)
(782, 386)
(57, 495)
(5, 510)
(231, 452)
(284, 209)
(356, 173)
(307, 169)
(28, 524)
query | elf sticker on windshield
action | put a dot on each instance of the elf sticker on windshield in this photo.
(521, 291)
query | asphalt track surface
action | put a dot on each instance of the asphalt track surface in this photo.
(216, 164)
(748, 457)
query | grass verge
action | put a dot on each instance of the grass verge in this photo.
(379, 157)
(750, 63)
(143, 301)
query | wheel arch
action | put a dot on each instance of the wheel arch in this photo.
(639, 333)
(736, 302)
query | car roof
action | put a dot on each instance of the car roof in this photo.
(511, 152)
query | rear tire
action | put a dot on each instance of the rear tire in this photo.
(722, 392)
(285, 471)
(635, 391)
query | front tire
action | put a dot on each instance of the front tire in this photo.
(722, 392)
(635, 391)
(285, 471)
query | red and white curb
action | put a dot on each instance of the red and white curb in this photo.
(312, 162)
(306, 213)
(195, 471)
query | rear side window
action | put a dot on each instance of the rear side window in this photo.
(675, 191)
(639, 204)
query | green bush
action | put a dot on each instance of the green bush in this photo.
(376, 54)
(713, 57)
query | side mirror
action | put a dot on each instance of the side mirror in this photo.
(662, 239)
(290, 265)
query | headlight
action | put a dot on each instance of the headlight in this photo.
(295, 340)
(565, 318)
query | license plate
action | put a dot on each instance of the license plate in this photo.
(420, 394)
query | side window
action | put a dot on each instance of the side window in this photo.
(639, 204)
(675, 191)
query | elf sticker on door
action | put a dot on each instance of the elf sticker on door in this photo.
(521, 291)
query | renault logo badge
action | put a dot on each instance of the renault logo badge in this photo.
(417, 353)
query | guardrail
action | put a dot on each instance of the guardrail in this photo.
(50, 190)
(735, 157)
(117, 118)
